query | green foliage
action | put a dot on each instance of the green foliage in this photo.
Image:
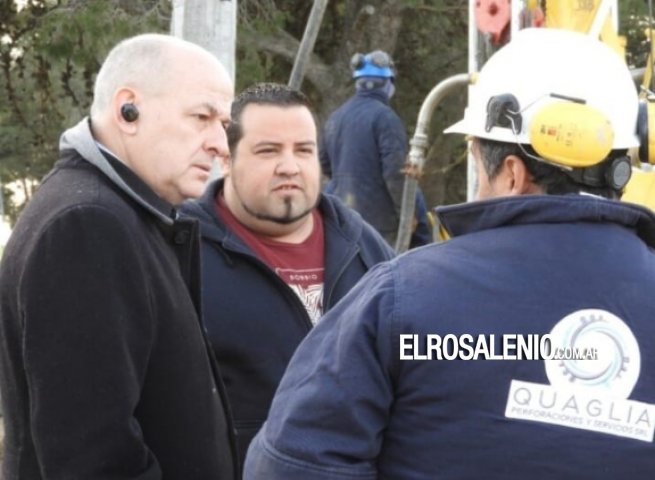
(51, 49)
(49, 55)
(430, 49)
(260, 20)
(634, 20)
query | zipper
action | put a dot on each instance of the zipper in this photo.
(286, 290)
(344, 265)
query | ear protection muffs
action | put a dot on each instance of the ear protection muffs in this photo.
(379, 61)
(378, 58)
(619, 172)
(129, 112)
(571, 135)
(614, 174)
(357, 61)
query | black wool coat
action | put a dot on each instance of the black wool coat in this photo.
(104, 367)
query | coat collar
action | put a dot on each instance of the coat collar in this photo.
(79, 141)
(530, 209)
(138, 186)
(375, 93)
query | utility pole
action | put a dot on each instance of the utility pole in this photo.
(307, 44)
(212, 24)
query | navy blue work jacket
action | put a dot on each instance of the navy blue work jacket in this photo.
(577, 267)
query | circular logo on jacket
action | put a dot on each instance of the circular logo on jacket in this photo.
(615, 362)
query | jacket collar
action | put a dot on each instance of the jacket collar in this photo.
(338, 219)
(138, 186)
(343, 231)
(79, 140)
(376, 93)
(530, 209)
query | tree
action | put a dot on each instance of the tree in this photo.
(50, 51)
(427, 40)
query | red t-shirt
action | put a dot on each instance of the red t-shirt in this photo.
(300, 265)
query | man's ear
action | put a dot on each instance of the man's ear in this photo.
(124, 96)
(516, 179)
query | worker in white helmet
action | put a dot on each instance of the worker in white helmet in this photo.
(522, 347)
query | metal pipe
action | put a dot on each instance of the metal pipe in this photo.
(473, 66)
(473, 38)
(515, 19)
(416, 158)
(307, 44)
(604, 10)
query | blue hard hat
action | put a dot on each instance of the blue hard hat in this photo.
(374, 64)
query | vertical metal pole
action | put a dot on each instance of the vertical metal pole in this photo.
(177, 18)
(212, 24)
(604, 9)
(307, 44)
(515, 17)
(471, 174)
(2, 204)
(416, 157)
(615, 15)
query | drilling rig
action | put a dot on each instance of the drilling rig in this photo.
(492, 24)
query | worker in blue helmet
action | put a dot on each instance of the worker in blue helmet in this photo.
(364, 146)
(377, 64)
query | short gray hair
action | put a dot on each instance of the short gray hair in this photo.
(138, 62)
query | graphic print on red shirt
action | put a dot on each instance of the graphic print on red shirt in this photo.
(300, 265)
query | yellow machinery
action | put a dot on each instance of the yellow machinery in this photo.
(596, 18)
(582, 16)
(491, 24)
(599, 16)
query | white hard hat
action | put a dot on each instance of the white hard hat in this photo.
(545, 66)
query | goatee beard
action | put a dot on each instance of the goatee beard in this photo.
(285, 219)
